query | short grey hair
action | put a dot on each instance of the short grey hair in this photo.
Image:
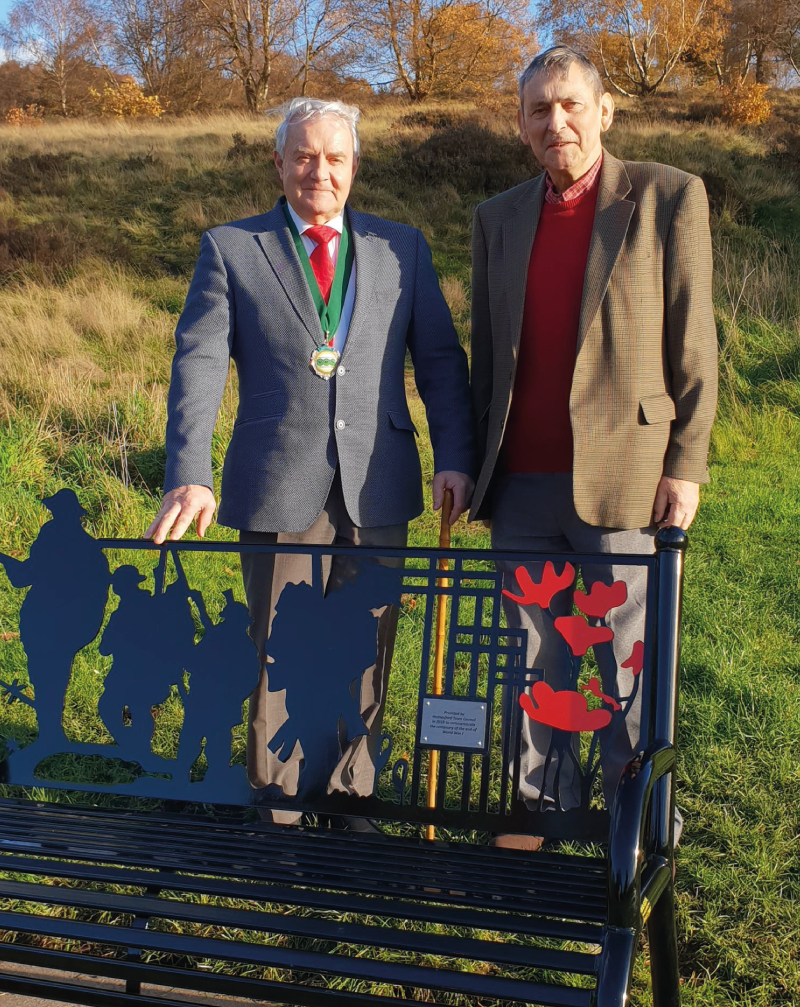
(556, 61)
(303, 109)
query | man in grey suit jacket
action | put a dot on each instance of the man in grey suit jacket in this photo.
(318, 454)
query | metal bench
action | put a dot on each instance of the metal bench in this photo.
(149, 863)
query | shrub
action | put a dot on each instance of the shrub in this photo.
(432, 120)
(127, 101)
(30, 115)
(258, 150)
(49, 246)
(138, 162)
(745, 103)
(469, 157)
(40, 173)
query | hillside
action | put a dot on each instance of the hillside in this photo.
(99, 229)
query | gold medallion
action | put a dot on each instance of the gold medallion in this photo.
(323, 361)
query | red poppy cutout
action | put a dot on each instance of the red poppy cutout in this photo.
(636, 661)
(593, 686)
(548, 587)
(602, 598)
(565, 711)
(580, 635)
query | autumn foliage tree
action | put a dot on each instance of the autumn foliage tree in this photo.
(441, 47)
(638, 44)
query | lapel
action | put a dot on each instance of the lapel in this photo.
(367, 260)
(611, 219)
(519, 230)
(276, 243)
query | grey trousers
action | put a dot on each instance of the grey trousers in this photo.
(536, 512)
(265, 575)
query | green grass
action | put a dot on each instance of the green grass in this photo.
(98, 249)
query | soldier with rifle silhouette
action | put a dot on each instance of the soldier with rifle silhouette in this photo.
(57, 621)
(223, 670)
(151, 637)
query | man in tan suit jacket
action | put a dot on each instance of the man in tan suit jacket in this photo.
(594, 373)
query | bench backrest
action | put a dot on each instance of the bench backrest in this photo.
(125, 620)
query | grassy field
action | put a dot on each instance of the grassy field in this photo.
(99, 229)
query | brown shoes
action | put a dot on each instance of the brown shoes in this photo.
(515, 841)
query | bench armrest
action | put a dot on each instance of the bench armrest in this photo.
(628, 826)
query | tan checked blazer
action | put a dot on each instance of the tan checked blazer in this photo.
(644, 389)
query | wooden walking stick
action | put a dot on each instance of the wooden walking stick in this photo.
(441, 633)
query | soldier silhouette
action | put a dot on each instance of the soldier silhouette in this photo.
(151, 637)
(320, 646)
(68, 577)
(223, 671)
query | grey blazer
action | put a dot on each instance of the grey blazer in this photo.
(249, 301)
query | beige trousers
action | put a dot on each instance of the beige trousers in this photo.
(265, 575)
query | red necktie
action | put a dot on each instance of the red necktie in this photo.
(320, 258)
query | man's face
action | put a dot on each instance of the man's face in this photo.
(317, 168)
(562, 122)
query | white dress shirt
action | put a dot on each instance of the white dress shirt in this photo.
(337, 223)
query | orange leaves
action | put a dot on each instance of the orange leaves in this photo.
(127, 101)
(745, 103)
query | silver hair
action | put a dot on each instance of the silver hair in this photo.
(303, 109)
(556, 61)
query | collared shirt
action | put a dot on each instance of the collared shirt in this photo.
(337, 223)
(577, 189)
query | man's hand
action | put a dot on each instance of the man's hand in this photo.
(178, 509)
(676, 503)
(462, 487)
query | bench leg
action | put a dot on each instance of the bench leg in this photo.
(613, 982)
(663, 940)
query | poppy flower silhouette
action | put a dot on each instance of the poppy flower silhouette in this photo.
(593, 686)
(636, 661)
(602, 598)
(565, 711)
(548, 587)
(580, 635)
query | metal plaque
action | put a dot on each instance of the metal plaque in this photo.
(454, 723)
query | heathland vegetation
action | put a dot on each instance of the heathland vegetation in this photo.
(99, 229)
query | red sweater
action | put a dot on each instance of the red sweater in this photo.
(538, 436)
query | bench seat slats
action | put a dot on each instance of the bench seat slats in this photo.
(300, 926)
(169, 976)
(515, 882)
(507, 870)
(588, 933)
(429, 886)
(114, 824)
(371, 970)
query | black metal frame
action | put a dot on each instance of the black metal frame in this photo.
(547, 896)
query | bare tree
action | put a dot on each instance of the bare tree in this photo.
(249, 34)
(56, 36)
(761, 36)
(160, 43)
(320, 26)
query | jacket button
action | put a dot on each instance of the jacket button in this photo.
(340, 370)
(340, 424)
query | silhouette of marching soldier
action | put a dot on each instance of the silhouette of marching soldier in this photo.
(320, 646)
(68, 577)
(223, 670)
(151, 636)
